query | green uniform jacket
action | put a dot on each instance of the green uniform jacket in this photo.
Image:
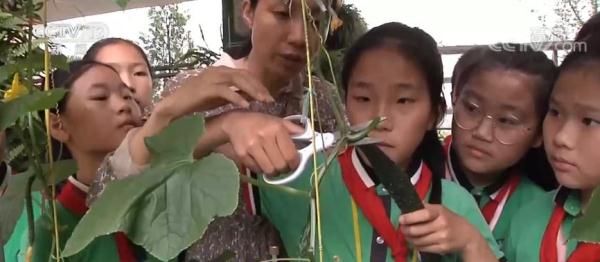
(527, 229)
(70, 208)
(290, 213)
(524, 192)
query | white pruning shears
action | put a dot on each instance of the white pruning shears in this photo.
(308, 146)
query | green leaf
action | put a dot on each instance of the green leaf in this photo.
(122, 3)
(7, 71)
(167, 207)
(587, 227)
(13, 200)
(173, 144)
(38, 100)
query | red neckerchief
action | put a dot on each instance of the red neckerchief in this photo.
(73, 199)
(490, 209)
(372, 206)
(584, 252)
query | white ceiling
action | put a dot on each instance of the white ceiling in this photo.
(65, 9)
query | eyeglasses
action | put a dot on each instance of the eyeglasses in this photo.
(506, 128)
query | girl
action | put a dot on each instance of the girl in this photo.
(540, 230)
(98, 105)
(130, 61)
(393, 71)
(500, 101)
(101, 106)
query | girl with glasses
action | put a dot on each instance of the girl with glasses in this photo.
(499, 104)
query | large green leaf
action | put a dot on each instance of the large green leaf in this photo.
(13, 200)
(587, 227)
(38, 100)
(167, 207)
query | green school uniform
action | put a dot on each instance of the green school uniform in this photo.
(70, 208)
(290, 214)
(529, 224)
(16, 246)
(524, 191)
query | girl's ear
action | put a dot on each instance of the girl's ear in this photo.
(248, 13)
(57, 130)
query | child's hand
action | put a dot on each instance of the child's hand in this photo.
(262, 142)
(214, 87)
(436, 229)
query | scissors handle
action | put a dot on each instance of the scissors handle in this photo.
(321, 142)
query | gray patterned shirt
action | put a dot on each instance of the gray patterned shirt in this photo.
(249, 236)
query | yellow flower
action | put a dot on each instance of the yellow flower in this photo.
(336, 23)
(16, 89)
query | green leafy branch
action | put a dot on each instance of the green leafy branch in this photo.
(168, 207)
(19, 113)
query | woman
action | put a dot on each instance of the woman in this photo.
(277, 62)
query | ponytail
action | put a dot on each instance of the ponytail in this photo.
(432, 153)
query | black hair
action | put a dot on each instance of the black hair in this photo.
(61, 78)
(583, 58)
(244, 50)
(524, 59)
(93, 51)
(467, 59)
(591, 26)
(419, 47)
(521, 58)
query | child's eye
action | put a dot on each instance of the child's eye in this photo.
(405, 100)
(590, 122)
(282, 14)
(140, 73)
(509, 121)
(553, 112)
(99, 98)
(471, 107)
(362, 99)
